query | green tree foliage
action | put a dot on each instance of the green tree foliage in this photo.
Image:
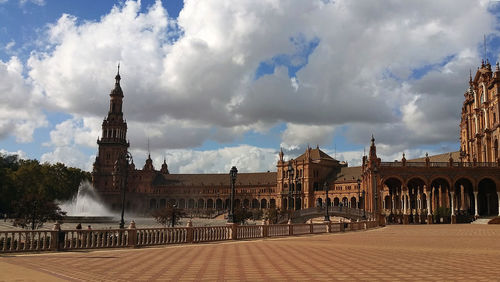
(33, 210)
(165, 215)
(25, 180)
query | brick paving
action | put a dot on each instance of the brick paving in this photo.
(436, 252)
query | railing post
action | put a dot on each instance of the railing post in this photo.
(265, 229)
(329, 227)
(54, 235)
(58, 234)
(290, 228)
(132, 235)
(234, 230)
(189, 232)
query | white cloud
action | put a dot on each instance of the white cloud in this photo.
(297, 135)
(193, 80)
(20, 154)
(20, 112)
(70, 156)
(246, 158)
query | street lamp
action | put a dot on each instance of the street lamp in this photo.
(290, 179)
(123, 165)
(174, 208)
(232, 176)
(327, 216)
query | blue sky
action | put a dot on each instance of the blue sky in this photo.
(227, 84)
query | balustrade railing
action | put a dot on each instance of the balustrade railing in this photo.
(440, 164)
(61, 240)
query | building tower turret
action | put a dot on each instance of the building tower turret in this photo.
(112, 143)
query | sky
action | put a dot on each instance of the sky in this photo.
(212, 84)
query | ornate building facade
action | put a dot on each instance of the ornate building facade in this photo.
(480, 124)
(465, 182)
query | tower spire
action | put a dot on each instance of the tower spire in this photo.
(118, 77)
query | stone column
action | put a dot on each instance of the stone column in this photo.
(393, 206)
(453, 217)
(440, 204)
(462, 198)
(476, 214)
(429, 206)
(498, 195)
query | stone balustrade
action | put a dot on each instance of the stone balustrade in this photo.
(61, 240)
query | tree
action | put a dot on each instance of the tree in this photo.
(241, 215)
(33, 210)
(168, 215)
(272, 215)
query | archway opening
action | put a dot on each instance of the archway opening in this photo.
(487, 198)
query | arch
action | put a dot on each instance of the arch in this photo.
(210, 204)
(227, 204)
(163, 203)
(344, 201)
(464, 196)
(237, 203)
(218, 204)
(298, 202)
(263, 204)
(152, 204)
(255, 204)
(246, 203)
(201, 204)
(437, 177)
(319, 202)
(387, 202)
(394, 185)
(191, 204)
(389, 177)
(487, 197)
(415, 187)
(336, 201)
(353, 202)
(182, 203)
(272, 203)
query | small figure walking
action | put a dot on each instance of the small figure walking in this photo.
(79, 226)
(89, 228)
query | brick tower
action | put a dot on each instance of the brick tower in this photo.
(113, 142)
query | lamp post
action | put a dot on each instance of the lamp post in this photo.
(327, 216)
(232, 177)
(290, 179)
(123, 163)
(174, 209)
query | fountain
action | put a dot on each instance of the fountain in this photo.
(86, 206)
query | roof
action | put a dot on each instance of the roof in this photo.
(316, 154)
(349, 174)
(438, 158)
(259, 178)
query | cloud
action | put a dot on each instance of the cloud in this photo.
(246, 158)
(20, 111)
(296, 135)
(192, 79)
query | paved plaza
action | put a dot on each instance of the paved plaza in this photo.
(435, 252)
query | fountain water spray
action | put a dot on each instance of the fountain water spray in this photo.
(86, 203)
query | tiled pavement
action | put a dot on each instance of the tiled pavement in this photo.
(436, 252)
